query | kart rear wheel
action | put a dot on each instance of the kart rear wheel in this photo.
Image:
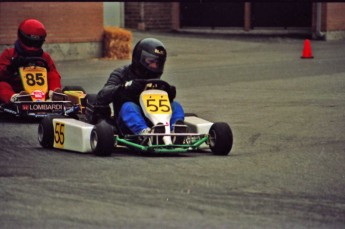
(220, 138)
(46, 131)
(102, 139)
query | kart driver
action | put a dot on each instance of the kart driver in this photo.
(31, 36)
(122, 88)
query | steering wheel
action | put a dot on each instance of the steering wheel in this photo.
(35, 61)
(156, 84)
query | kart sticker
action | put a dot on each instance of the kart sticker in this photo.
(34, 78)
(38, 95)
(42, 107)
(59, 135)
(157, 103)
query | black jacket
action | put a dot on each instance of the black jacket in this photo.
(113, 90)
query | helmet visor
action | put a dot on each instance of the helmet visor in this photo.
(152, 62)
(31, 40)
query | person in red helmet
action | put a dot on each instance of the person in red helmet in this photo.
(31, 36)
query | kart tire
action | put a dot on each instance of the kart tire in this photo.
(46, 131)
(73, 88)
(102, 139)
(220, 138)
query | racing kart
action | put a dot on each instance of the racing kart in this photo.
(35, 104)
(66, 133)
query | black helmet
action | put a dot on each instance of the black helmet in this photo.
(148, 58)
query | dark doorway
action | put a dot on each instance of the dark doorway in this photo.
(211, 14)
(263, 14)
(284, 14)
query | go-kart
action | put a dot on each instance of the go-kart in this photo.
(102, 138)
(33, 75)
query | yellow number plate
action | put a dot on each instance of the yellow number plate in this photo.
(59, 135)
(34, 79)
(157, 104)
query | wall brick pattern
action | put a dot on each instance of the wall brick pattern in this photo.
(156, 15)
(66, 22)
(335, 16)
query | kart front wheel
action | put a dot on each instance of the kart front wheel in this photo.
(102, 139)
(220, 138)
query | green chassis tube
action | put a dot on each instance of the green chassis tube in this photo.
(163, 148)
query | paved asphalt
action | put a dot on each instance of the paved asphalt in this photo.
(286, 169)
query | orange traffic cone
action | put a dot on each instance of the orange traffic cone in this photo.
(307, 53)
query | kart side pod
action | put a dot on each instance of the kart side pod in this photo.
(219, 133)
(198, 125)
(65, 133)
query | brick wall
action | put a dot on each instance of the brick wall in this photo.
(65, 21)
(335, 16)
(132, 14)
(156, 15)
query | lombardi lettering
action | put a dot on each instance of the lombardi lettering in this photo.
(42, 107)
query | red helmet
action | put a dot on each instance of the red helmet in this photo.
(31, 34)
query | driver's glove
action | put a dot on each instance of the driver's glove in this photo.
(16, 62)
(134, 87)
